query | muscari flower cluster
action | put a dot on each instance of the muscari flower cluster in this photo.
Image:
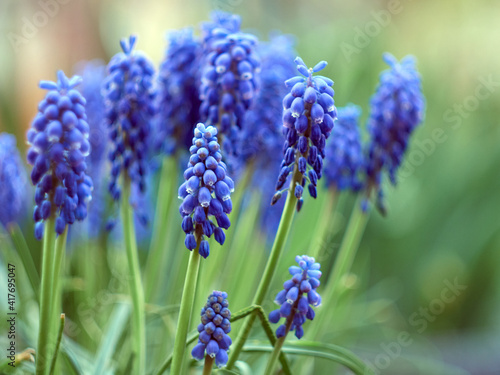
(206, 191)
(214, 328)
(129, 98)
(59, 145)
(308, 116)
(177, 99)
(344, 161)
(93, 74)
(228, 82)
(12, 181)
(295, 306)
(397, 107)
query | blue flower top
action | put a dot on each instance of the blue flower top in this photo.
(298, 297)
(397, 108)
(206, 193)
(228, 82)
(344, 162)
(308, 115)
(214, 328)
(129, 98)
(59, 146)
(177, 101)
(12, 181)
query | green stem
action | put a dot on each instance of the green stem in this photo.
(186, 308)
(58, 344)
(271, 364)
(136, 291)
(25, 254)
(209, 363)
(272, 262)
(166, 187)
(44, 348)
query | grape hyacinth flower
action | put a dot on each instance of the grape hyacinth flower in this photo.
(177, 99)
(59, 145)
(308, 116)
(12, 181)
(214, 328)
(397, 108)
(344, 157)
(295, 306)
(206, 192)
(228, 82)
(129, 98)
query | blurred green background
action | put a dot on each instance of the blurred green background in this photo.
(443, 223)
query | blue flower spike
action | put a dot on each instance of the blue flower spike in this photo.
(397, 108)
(59, 146)
(308, 117)
(344, 163)
(129, 98)
(228, 83)
(213, 339)
(177, 100)
(12, 181)
(298, 297)
(206, 192)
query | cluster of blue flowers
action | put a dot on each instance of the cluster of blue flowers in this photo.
(214, 328)
(295, 307)
(397, 107)
(308, 117)
(12, 181)
(129, 98)
(93, 74)
(59, 145)
(228, 82)
(344, 161)
(178, 99)
(206, 191)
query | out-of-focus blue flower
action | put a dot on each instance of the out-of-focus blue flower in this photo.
(228, 82)
(206, 192)
(397, 108)
(12, 181)
(262, 135)
(59, 145)
(129, 98)
(178, 98)
(308, 116)
(214, 328)
(344, 161)
(298, 297)
(93, 74)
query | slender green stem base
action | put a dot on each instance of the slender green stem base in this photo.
(136, 291)
(45, 346)
(185, 311)
(265, 282)
(209, 363)
(271, 364)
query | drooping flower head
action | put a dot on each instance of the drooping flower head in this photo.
(93, 74)
(129, 98)
(228, 82)
(12, 181)
(206, 193)
(397, 108)
(344, 155)
(308, 115)
(59, 145)
(298, 297)
(214, 328)
(178, 99)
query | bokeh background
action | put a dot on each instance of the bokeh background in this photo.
(443, 224)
